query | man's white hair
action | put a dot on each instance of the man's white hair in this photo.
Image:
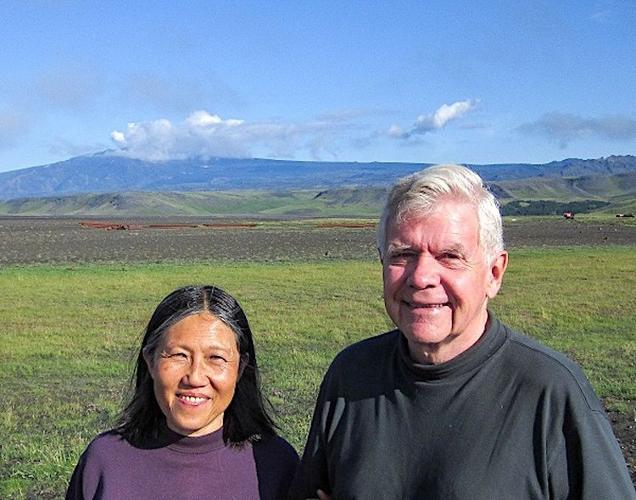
(418, 194)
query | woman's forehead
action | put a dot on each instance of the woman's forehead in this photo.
(201, 329)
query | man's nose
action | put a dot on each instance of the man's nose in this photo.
(424, 272)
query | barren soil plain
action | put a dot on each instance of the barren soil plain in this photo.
(45, 240)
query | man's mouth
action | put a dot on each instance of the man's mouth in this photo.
(418, 305)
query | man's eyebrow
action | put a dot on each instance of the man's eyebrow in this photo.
(456, 248)
(397, 247)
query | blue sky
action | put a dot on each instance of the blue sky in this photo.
(421, 81)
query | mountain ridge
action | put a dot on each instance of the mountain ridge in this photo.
(106, 172)
(615, 193)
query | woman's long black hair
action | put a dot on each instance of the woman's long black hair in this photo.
(246, 418)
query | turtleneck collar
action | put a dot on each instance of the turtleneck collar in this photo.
(465, 362)
(167, 438)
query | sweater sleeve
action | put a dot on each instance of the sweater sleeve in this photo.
(589, 463)
(312, 473)
(86, 479)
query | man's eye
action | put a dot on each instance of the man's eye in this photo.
(397, 256)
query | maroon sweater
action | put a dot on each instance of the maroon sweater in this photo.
(176, 466)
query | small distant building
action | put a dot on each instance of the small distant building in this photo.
(568, 215)
(624, 215)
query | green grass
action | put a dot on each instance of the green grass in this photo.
(69, 333)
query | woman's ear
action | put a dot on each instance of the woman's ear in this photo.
(243, 362)
(148, 358)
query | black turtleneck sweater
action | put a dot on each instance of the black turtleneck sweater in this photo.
(506, 419)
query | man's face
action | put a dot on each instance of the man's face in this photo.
(437, 280)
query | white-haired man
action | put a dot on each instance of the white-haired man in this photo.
(453, 404)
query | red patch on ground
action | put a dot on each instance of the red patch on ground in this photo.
(352, 225)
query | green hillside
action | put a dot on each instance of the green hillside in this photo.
(571, 188)
(345, 202)
(533, 196)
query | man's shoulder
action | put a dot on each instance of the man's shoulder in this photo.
(549, 369)
(377, 347)
(368, 362)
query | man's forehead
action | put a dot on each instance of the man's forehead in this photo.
(447, 212)
(451, 228)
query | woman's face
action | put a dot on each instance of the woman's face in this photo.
(194, 370)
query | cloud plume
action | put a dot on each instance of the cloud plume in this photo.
(205, 134)
(435, 121)
(565, 128)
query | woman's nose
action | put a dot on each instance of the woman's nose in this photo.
(196, 375)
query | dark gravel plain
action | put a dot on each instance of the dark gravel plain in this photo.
(37, 240)
(62, 240)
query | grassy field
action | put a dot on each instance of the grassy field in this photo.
(69, 332)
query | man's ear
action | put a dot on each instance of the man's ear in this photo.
(497, 270)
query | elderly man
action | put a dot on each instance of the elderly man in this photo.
(453, 404)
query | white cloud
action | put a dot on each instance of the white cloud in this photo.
(566, 127)
(395, 131)
(206, 134)
(118, 137)
(203, 119)
(435, 121)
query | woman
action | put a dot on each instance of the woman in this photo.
(196, 426)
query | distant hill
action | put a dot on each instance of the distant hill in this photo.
(569, 188)
(108, 185)
(107, 173)
(540, 195)
(354, 202)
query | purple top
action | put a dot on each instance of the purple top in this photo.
(176, 466)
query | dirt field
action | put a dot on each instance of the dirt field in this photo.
(31, 240)
(28, 240)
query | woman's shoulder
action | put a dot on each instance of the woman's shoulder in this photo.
(107, 444)
(276, 447)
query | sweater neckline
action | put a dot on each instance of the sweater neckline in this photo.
(464, 363)
(191, 445)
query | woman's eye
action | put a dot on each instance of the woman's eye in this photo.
(215, 358)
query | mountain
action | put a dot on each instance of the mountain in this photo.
(107, 172)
